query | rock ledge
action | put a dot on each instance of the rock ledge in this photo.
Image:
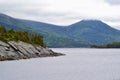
(20, 50)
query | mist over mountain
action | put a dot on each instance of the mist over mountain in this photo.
(80, 34)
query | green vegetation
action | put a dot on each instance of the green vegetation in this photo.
(109, 45)
(11, 35)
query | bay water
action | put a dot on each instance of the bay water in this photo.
(77, 64)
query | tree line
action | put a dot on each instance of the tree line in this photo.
(109, 45)
(12, 35)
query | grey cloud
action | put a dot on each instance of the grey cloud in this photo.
(19, 6)
(113, 2)
(111, 19)
(35, 12)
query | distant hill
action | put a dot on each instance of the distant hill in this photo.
(94, 32)
(80, 34)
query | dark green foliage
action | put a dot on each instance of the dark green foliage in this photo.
(11, 35)
(109, 45)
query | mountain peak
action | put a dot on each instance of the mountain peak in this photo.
(90, 20)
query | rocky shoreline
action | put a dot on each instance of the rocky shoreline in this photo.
(20, 50)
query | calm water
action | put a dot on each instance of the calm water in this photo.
(78, 64)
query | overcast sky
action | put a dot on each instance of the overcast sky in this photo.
(63, 12)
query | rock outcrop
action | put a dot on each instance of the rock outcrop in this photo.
(20, 50)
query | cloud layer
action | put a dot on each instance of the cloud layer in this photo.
(63, 12)
(113, 2)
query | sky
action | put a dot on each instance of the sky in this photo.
(63, 12)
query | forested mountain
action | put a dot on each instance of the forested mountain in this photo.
(80, 34)
(54, 36)
(94, 32)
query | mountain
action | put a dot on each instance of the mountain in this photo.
(94, 32)
(80, 34)
(54, 36)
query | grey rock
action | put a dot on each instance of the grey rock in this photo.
(20, 50)
(13, 45)
(3, 44)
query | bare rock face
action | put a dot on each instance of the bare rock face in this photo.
(20, 50)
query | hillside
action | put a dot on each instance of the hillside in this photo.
(94, 32)
(54, 36)
(80, 34)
